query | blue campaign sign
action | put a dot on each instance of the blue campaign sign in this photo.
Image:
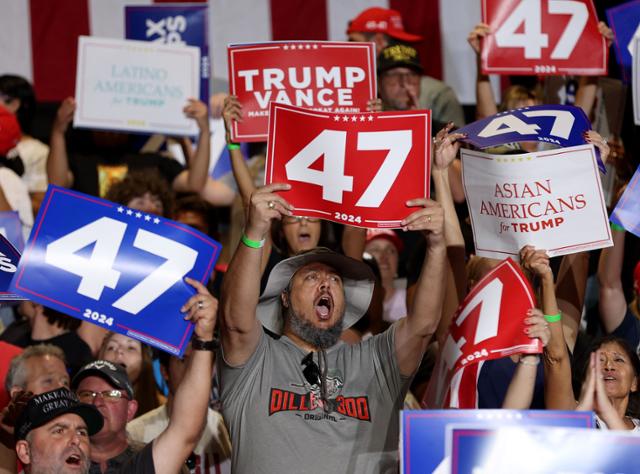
(542, 449)
(624, 20)
(115, 267)
(9, 258)
(173, 24)
(423, 437)
(11, 228)
(561, 125)
(627, 211)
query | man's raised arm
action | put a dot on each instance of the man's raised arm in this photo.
(240, 329)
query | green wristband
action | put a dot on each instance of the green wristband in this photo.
(553, 318)
(254, 244)
(617, 227)
(233, 146)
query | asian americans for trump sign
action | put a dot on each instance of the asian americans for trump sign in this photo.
(552, 200)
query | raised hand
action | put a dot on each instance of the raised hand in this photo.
(446, 147)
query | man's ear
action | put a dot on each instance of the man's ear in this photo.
(132, 408)
(284, 299)
(23, 451)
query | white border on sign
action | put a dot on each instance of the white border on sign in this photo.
(552, 252)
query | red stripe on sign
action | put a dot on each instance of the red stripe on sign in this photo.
(299, 20)
(55, 27)
(423, 18)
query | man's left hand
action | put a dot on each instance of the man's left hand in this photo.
(201, 309)
(429, 219)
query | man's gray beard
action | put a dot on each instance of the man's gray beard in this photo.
(317, 337)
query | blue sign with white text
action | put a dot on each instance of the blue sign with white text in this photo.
(536, 449)
(116, 267)
(184, 25)
(9, 258)
(624, 21)
(11, 228)
(560, 125)
(627, 211)
(423, 447)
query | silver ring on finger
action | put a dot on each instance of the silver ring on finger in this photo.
(200, 304)
(428, 218)
(271, 205)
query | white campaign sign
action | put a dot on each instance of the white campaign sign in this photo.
(135, 85)
(552, 200)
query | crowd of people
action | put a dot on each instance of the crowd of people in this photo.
(324, 332)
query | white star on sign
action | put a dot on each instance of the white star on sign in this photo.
(121, 209)
(147, 218)
(345, 118)
(129, 212)
(336, 118)
(370, 118)
(300, 46)
(156, 221)
(354, 118)
(285, 47)
(138, 215)
(315, 46)
(362, 118)
(307, 46)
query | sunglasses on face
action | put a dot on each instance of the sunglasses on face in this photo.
(311, 370)
(111, 396)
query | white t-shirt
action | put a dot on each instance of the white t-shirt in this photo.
(213, 452)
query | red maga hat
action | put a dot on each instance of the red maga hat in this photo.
(381, 20)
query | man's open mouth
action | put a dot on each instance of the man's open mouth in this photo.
(323, 307)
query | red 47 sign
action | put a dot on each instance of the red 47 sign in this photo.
(544, 37)
(489, 324)
(357, 169)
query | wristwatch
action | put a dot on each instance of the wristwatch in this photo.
(198, 344)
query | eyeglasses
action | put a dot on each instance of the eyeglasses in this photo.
(311, 370)
(298, 219)
(396, 78)
(111, 396)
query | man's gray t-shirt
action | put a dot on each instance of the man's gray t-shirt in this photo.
(276, 420)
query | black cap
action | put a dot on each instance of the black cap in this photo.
(43, 408)
(399, 55)
(115, 374)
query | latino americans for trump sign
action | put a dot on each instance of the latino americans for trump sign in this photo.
(552, 200)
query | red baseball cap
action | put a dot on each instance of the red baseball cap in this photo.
(386, 234)
(381, 20)
(10, 132)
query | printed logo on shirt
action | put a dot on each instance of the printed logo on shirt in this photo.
(311, 406)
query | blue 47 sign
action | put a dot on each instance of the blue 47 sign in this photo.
(560, 125)
(115, 267)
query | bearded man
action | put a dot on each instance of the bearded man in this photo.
(298, 399)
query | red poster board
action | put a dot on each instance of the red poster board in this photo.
(489, 324)
(543, 37)
(324, 76)
(357, 169)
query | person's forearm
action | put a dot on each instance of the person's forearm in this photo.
(520, 392)
(241, 289)
(241, 173)
(485, 101)
(586, 93)
(571, 285)
(452, 231)
(57, 161)
(426, 310)
(353, 241)
(199, 165)
(191, 400)
(612, 302)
